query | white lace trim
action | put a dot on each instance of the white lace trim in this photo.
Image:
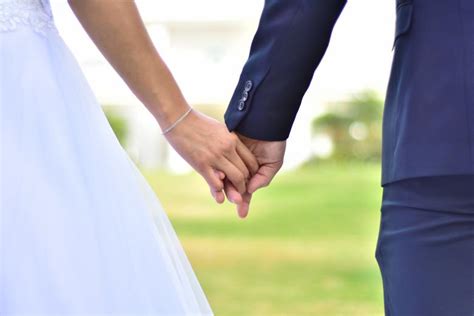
(32, 13)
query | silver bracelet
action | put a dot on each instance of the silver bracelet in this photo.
(177, 121)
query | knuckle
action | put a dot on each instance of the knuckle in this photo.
(218, 186)
(205, 161)
(228, 147)
(211, 155)
(199, 163)
(231, 142)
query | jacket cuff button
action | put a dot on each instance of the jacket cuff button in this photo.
(245, 96)
(248, 85)
(241, 105)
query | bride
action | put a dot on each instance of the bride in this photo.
(76, 225)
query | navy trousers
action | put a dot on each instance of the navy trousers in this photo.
(425, 247)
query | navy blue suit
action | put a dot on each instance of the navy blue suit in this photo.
(428, 121)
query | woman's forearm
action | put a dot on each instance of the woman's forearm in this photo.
(118, 31)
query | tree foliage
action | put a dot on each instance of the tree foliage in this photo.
(354, 126)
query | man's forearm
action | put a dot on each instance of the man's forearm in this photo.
(289, 44)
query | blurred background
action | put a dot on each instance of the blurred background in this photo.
(307, 246)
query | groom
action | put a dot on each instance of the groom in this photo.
(428, 123)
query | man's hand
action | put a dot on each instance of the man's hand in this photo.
(269, 156)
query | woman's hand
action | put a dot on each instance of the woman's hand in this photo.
(213, 152)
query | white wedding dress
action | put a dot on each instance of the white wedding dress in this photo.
(81, 232)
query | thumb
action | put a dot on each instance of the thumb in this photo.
(256, 182)
(261, 179)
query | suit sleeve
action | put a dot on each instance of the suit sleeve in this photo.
(289, 44)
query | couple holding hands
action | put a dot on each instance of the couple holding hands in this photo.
(82, 232)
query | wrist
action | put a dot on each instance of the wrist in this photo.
(177, 121)
(246, 138)
(168, 115)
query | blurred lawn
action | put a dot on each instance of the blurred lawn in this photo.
(306, 248)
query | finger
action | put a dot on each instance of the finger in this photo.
(243, 207)
(216, 185)
(232, 173)
(237, 161)
(218, 196)
(261, 179)
(247, 157)
(231, 193)
(220, 174)
(241, 200)
(256, 182)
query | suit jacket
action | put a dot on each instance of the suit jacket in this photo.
(428, 120)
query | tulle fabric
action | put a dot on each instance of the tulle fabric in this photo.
(81, 232)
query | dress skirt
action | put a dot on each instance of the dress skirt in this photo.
(81, 232)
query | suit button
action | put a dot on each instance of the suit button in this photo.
(248, 85)
(245, 96)
(241, 105)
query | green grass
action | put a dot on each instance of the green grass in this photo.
(306, 248)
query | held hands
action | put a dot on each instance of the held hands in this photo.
(269, 155)
(214, 153)
(230, 163)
